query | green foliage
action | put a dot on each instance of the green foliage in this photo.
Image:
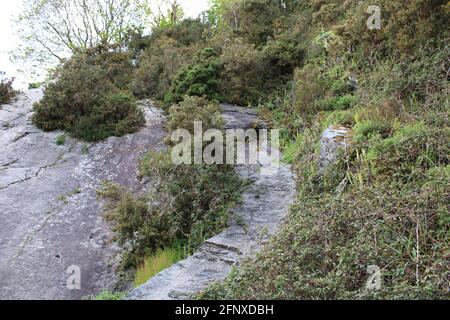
(384, 202)
(163, 217)
(160, 260)
(60, 140)
(339, 102)
(365, 129)
(406, 25)
(310, 89)
(183, 114)
(164, 54)
(186, 32)
(110, 296)
(410, 152)
(197, 79)
(392, 214)
(243, 72)
(89, 100)
(6, 90)
(158, 67)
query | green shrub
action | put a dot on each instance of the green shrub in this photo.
(339, 102)
(242, 74)
(310, 90)
(410, 152)
(407, 25)
(343, 118)
(363, 130)
(6, 89)
(110, 296)
(162, 218)
(183, 114)
(197, 79)
(89, 98)
(158, 66)
(395, 222)
(60, 140)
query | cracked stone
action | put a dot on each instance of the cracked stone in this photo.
(34, 173)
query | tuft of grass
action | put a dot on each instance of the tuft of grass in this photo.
(85, 149)
(60, 140)
(160, 260)
(364, 130)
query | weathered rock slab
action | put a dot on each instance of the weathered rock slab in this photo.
(50, 215)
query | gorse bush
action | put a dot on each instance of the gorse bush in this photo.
(187, 204)
(183, 114)
(158, 65)
(7, 91)
(90, 98)
(242, 73)
(197, 79)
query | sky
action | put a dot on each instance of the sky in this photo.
(8, 40)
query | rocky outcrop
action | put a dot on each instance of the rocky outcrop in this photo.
(50, 215)
(333, 140)
(260, 214)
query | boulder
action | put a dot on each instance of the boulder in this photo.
(334, 139)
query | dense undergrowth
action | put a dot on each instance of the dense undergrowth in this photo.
(307, 65)
(385, 203)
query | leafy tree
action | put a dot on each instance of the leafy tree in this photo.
(52, 30)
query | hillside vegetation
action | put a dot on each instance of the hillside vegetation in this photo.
(385, 203)
(307, 65)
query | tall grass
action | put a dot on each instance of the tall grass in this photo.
(159, 261)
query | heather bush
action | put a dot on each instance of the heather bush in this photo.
(90, 97)
(183, 114)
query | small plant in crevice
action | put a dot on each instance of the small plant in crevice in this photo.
(60, 140)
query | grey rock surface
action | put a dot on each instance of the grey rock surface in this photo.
(333, 140)
(240, 118)
(50, 217)
(264, 206)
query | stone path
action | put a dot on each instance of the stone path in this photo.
(264, 206)
(50, 217)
